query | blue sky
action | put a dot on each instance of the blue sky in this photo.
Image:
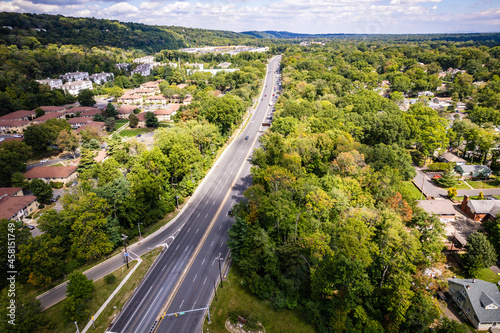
(303, 16)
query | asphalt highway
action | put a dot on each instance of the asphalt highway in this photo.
(183, 276)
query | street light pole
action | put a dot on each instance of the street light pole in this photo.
(219, 259)
(139, 226)
(77, 330)
(124, 237)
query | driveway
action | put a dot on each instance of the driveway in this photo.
(58, 205)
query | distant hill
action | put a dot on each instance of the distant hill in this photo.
(91, 32)
(484, 38)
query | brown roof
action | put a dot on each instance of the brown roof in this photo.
(10, 139)
(48, 116)
(160, 97)
(17, 115)
(9, 123)
(126, 109)
(173, 107)
(129, 96)
(50, 172)
(162, 112)
(10, 206)
(150, 84)
(90, 113)
(144, 90)
(9, 191)
(101, 155)
(82, 109)
(79, 120)
(49, 109)
(96, 124)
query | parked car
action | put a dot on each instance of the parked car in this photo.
(246, 137)
(55, 198)
(45, 160)
(18, 136)
(74, 184)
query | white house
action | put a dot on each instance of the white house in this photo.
(52, 83)
(75, 76)
(75, 87)
(101, 78)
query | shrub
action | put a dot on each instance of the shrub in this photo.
(110, 279)
(56, 185)
(41, 206)
(452, 192)
(440, 166)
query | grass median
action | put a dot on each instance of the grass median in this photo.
(234, 297)
(100, 295)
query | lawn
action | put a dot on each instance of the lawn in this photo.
(479, 184)
(128, 133)
(101, 293)
(234, 297)
(411, 189)
(462, 186)
(43, 210)
(166, 124)
(487, 274)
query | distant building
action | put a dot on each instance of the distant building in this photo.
(125, 111)
(52, 83)
(144, 60)
(19, 115)
(123, 66)
(48, 116)
(478, 300)
(143, 69)
(78, 122)
(75, 87)
(101, 78)
(224, 65)
(99, 125)
(156, 99)
(75, 76)
(448, 157)
(130, 99)
(50, 109)
(14, 126)
(64, 174)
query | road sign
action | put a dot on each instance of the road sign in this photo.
(126, 254)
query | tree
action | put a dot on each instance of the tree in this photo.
(42, 259)
(109, 111)
(447, 325)
(452, 192)
(134, 121)
(79, 286)
(74, 309)
(28, 312)
(41, 190)
(110, 124)
(13, 158)
(480, 253)
(39, 137)
(67, 141)
(86, 98)
(449, 179)
(151, 120)
(39, 112)
(19, 180)
(21, 236)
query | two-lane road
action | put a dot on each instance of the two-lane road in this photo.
(183, 276)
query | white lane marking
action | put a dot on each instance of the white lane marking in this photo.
(164, 268)
(203, 261)
(189, 229)
(213, 203)
(198, 215)
(206, 215)
(193, 307)
(197, 230)
(133, 314)
(195, 277)
(177, 247)
(221, 244)
(149, 310)
(212, 243)
(181, 304)
(220, 226)
(204, 281)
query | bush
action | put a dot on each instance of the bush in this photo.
(56, 185)
(452, 192)
(440, 166)
(41, 206)
(110, 279)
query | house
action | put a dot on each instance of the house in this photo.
(154, 85)
(13, 126)
(75, 87)
(19, 115)
(50, 109)
(479, 301)
(144, 60)
(75, 76)
(473, 171)
(156, 99)
(63, 174)
(143, 69)
(101, 78)
(448, 157)
(79, 110)
(163, 115)
(142, 119)
(11, 192)
(187, 100)
(144, 92)
(125, 111)
(130, 99)
(122, 66)
(78, 122)
(224, 65)
(15, 207)
(480, 210)
(45, 117)
(99, 125)
(442, 208)
(90, 113)
(52, 83)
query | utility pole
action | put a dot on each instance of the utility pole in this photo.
(139, 226)
(77, 330)
(176, 196)
(219, 259)
(124, 237)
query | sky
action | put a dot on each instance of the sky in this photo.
(299, 16)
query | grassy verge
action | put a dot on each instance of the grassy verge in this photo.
(479, 184)
(43, 210)
(412, 190)
(462, 186)
(487, 274)
(128, 133)
(102, 292)
(233, 297)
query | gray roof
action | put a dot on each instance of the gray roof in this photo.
(474, 168)
(481, 294)
(450, 157)
(439, 207)
(484, 206)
